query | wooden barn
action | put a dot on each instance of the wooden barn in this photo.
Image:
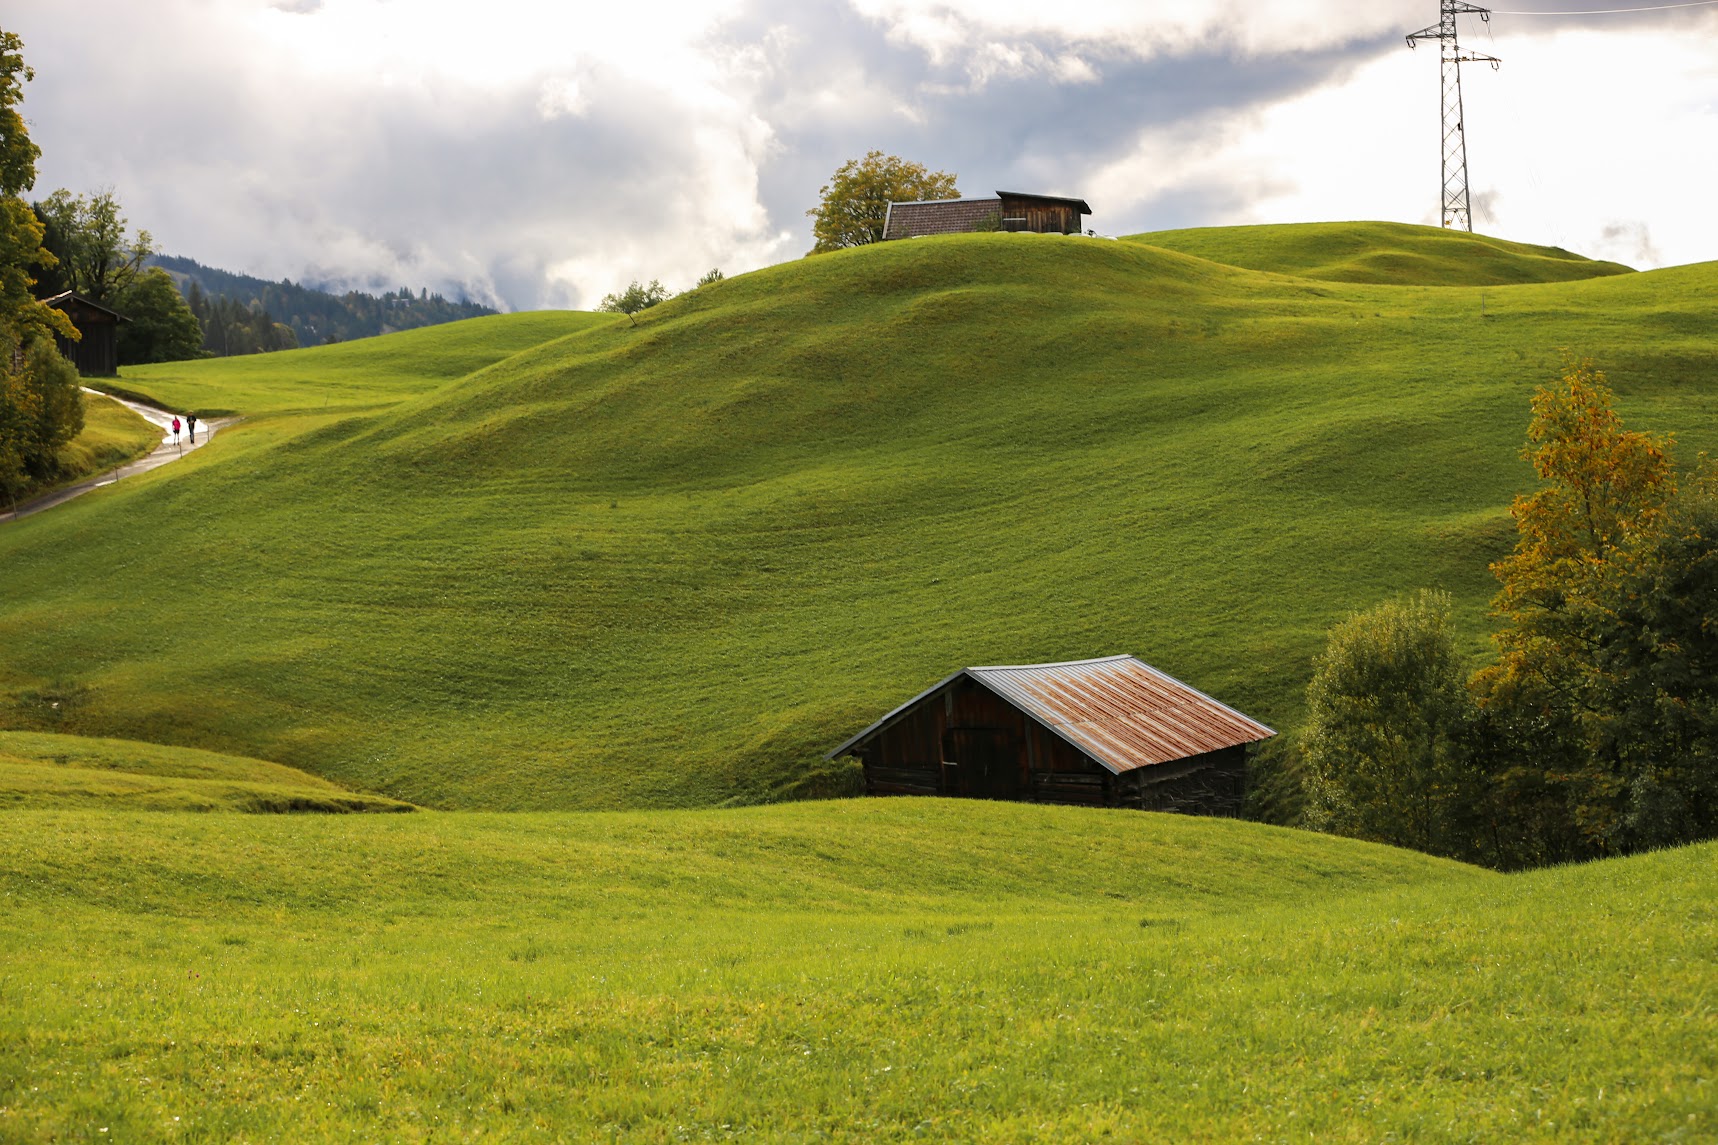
(1009, 211)
(1113, 732)
(97, 354)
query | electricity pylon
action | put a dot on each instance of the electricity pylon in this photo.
(1457, 210)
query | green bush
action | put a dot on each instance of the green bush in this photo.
(1386, 746)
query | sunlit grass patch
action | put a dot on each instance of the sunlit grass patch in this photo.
(874, 970)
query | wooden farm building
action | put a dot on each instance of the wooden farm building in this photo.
(1114, 732)
(1009, 211)
(97, 353)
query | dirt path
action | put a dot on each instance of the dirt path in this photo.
(165, 452)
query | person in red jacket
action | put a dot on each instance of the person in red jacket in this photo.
(175, 431)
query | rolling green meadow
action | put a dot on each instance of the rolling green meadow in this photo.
(589, 565)
(588, 600)
(38, 770)
(846, 971)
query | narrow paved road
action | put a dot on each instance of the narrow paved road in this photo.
(167, 451)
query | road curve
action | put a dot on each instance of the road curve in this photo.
(167, 451)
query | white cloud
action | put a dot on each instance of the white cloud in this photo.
(1146, 28)
(547, 153)
(1580, 139)
(375, 143)
(560, 95)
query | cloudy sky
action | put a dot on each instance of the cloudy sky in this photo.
(535, 154)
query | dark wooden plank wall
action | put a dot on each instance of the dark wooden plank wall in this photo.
(1043, 218)
(967, 741)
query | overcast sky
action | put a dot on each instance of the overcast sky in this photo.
(540, 154)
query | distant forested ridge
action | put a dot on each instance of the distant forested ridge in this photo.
(245, 315)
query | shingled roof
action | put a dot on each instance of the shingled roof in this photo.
(937, 217)
(1118, 710)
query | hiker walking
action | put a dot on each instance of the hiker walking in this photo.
(191, 426)
(175, 431)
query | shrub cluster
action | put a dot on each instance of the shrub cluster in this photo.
(1595, 730)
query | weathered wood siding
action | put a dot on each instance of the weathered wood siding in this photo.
(1040, 218)
(966, 741)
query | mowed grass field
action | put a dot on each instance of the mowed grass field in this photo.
(40, 770)
(879, 970)
(669, 565)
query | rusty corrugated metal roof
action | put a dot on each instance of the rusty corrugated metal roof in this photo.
(1119, 710)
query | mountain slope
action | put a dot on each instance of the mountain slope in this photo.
(316, 315)
(1382, 253)
(670, 564)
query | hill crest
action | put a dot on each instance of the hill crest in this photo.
(1380, 253)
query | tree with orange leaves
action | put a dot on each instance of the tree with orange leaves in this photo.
(1573, 703)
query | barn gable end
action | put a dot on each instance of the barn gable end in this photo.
(96, 354)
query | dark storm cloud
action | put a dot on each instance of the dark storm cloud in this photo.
(1034, 130)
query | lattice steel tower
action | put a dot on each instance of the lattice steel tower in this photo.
(1457, 209)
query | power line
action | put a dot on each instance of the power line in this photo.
(1610, 11)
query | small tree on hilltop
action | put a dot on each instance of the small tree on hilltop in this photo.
(634, 298)
(856, 200)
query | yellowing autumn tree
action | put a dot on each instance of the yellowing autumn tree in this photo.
(1577, 700)
(40, 406)
(856, 200)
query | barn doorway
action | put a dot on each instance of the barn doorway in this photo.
(985, 763)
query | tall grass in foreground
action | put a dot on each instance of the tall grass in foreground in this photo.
(850, 972)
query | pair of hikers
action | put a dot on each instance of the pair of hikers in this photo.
(191, 424)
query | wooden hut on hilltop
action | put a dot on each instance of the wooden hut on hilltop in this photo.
(1008, 211)
(1113, 732)
(97, 353)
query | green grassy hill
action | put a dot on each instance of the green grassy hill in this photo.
(366, 374)
(877, 970)
(668, 565)
(1382, 253)
(39, 770)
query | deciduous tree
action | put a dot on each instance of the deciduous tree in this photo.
(36, 409)
(21, 315)
(1385, 752)
(635, 299)
(1583, 537)
(855, 201)
(162, 326)
(88, 236)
